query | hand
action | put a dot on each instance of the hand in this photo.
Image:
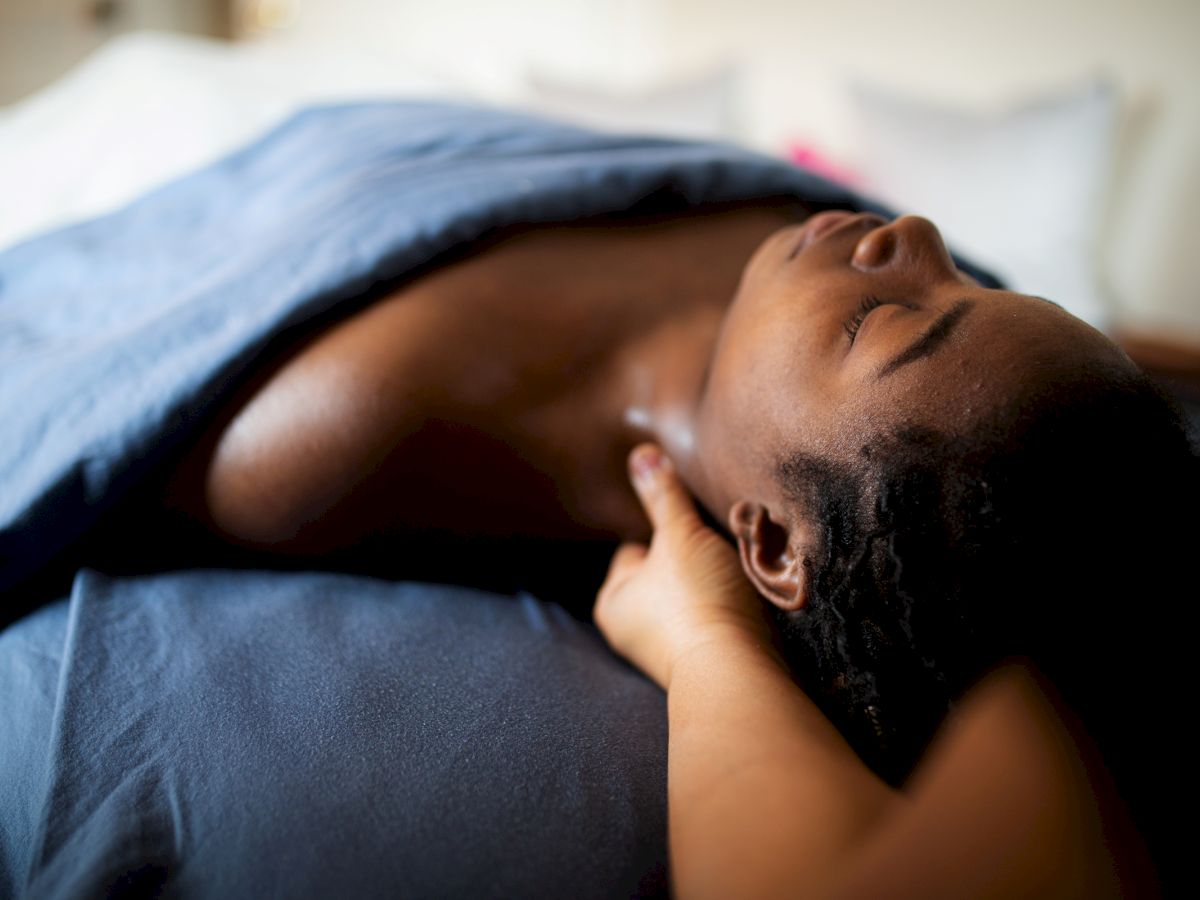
(686, 589)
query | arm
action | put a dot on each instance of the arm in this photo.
(764, 795)
(765, 799)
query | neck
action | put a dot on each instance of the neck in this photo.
(660, 394)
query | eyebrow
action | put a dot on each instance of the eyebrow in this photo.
(934, 337)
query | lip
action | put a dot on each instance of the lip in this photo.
(819, 225)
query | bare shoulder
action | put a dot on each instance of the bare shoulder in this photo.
(309, 421)
(497, 353)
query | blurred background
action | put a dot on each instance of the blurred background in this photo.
(1057, 141)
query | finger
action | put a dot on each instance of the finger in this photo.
(663, 496)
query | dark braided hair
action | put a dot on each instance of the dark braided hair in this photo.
(1062, 531)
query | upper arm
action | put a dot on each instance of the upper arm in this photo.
(1004, 805)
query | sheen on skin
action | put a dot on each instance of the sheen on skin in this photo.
(844, 327)
(501, 394)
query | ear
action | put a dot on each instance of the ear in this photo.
(770, 556)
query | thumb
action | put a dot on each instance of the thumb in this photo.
(663, 496)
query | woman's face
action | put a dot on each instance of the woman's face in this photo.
(847, 325)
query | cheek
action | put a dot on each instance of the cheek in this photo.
(745, 404)
(778, 369)
(723, 417)
(765, 363)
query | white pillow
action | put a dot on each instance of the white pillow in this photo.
(1021, 192)
(148, 107)
(702, 107)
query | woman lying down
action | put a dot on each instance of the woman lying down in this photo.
(911, 494)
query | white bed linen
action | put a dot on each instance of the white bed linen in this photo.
(151, 106)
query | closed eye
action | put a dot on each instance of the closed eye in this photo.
(864, 309)
(855, 322)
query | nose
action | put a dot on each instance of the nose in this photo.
(910, 241)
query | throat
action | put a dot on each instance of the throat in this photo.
(658, 295)
(665, 374)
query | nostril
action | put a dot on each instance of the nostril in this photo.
(875, 248)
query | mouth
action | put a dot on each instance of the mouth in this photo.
(821, 224)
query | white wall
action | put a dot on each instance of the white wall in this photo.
(794, 60)
(798, 55)
(795, 57)
(42, 39)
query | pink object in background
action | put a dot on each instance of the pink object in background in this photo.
(809, 157)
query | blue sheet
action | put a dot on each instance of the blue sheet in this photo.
(263, 734)
(116, 334)
(249, 733)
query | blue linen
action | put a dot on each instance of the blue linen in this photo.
(246, 733)
(250, 734)
(118, 333)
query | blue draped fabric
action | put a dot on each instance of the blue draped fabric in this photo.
(116, 334)
(235, 733)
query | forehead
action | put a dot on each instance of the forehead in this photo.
(1007, 344)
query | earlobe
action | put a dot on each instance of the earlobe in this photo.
(769, 555)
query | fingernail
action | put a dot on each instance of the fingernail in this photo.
(645, 464)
